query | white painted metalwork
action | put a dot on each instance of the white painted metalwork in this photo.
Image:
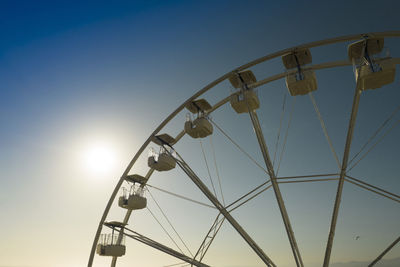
(197, 181)
(371, 72)
(381, 73)
(245, 98)
(143, 239)
(302, 81)
(384, 252)
(275, 186)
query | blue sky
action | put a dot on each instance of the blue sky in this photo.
(74, 74)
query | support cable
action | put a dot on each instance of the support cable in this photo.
(152, 243)
(286, 135)
(324, 128)
(239, 147)
(253, 190)
(250, 198)
(208, 169)
(197, 181)
(374, 145)
(216, 169)
(376, 133)
(165, 230)
(180, 196)
(218, 222)
(279, 130)
(175, 264)
(169, 222)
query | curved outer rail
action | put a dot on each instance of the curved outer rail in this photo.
(213, 84)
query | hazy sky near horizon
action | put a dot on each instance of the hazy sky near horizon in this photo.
(82, 78)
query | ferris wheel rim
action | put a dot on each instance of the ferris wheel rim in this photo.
(222, 78)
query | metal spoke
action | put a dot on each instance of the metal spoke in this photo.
(327, 65)
(275, 186)
(353, 116)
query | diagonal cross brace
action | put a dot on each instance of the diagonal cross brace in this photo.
(145, 240)
(204, 189)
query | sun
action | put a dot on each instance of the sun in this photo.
(99, 158)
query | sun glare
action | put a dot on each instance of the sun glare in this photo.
(99, 159)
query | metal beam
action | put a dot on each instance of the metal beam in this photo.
(308, 181)
(145, 240)
(384, 252)
(204, 90)
(204, 189)
(375, 187)
(209, 238)
(350, 131)
(371, 190)
(275, 186)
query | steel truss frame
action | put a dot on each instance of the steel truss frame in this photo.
(274, 180)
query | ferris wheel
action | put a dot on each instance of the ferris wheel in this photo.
(245, 99)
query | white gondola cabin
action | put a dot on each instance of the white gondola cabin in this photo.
(246, 99)
(133, 200)
(112, 244)
(242, 78)
(370, 71)
(161, 161)
(200, 127)
(299, 81)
